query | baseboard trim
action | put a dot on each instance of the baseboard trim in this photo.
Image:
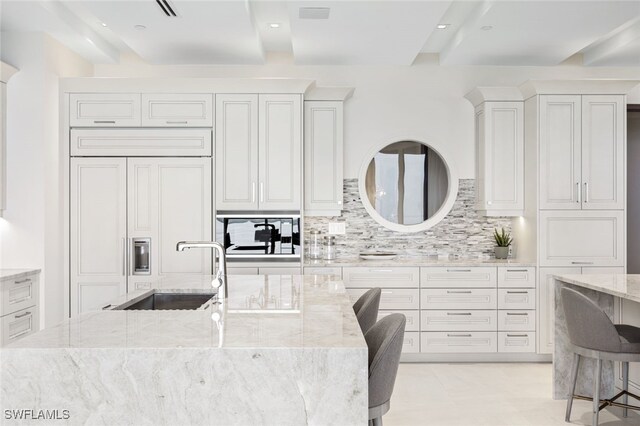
(491, 357)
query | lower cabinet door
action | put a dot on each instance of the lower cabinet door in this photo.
(19, 324)
(459, 298)
(413, 318)
(458, 342)
(516, 341)
(459, 320)
(517, 320)
(411, 344)
(516, 298)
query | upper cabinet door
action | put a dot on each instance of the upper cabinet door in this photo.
(560, 152)
(603, 167)
(323, 142)
(177, 110)
(98, 232)
(104, 110)
(503, 158)
(236, 152)
(280, 152)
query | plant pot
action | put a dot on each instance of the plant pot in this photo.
(502, 252)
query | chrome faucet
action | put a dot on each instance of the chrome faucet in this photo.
(221, 274)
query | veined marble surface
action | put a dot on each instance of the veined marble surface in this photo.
(282, 350)
(417, 261)
(12, 274)
(619, 285)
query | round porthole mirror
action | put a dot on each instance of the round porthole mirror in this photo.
(407, 186)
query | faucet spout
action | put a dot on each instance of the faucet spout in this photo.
(221, 274)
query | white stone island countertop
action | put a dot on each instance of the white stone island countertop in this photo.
(417, 261)
(283, 350)
(618, 285)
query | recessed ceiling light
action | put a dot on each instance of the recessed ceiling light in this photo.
(486, 28)
(442, 26)
(103, 24)
(274, 25)
(140, 27)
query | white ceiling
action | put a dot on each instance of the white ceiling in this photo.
(381, 32)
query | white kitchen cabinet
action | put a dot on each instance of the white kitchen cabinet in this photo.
(258, 152)
(280, 152)
(458, 298)
(458, 342)
(104, 110)
(98, 232)
(6, 71)
(458, 320)
(516, 341)
(323, 156)
(516, 298)
(516, 277)
(584, 238)
(384, 277)
(500, 158)
(19, 305)
(517, 320)
(582, 152)
(413, 318)
(177, 110)
(457, 277)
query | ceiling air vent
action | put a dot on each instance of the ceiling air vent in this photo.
(314, 13)
(166, 8)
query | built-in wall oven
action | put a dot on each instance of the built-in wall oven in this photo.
(260, 237)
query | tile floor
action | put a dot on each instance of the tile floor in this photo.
(486, 394)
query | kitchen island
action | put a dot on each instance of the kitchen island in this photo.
(281, 350)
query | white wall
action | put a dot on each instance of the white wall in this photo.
(424, 100)
(31, 231)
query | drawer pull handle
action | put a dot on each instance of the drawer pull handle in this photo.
(517, 335)
(582, 263)
(23, 281)
(104, 121)
(517, 292)
(458, 335)
(458, 270)
(458, 292)
(517, 313)
(176, 122)
(517, 270)
(105, 307)
(458, 313)
(22, 315)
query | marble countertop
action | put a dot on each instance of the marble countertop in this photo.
(8, 274)
(619, 285)
(417, 261)
(263, 311)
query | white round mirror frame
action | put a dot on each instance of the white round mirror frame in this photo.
(452, 190)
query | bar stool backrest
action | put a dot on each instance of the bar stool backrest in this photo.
(366, 309)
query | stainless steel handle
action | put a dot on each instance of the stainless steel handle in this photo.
(261, 192)
(517, 270)
(107, 306)
(458, 313)
(124, 257)
(517, 292)
(516, 335)
(586, 192)
(22, 315)
(577, 192)
(458, 292)
(253, 192)
(458, 335)
(458, 270)
(582, 263)
(177, 122)
(517, 313)
(104, 121)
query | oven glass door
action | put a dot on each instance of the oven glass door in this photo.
(259, 237)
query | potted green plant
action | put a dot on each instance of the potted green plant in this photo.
(503, 241)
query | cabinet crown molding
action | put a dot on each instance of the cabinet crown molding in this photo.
(498, 94)
(6, 71)
(577, 87)
(329, 93)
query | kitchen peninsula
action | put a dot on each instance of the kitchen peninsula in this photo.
(281, 350)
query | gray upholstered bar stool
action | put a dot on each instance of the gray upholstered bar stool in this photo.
(593, 335)
(366, 309)
(384, 340)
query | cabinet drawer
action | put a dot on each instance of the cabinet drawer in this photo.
(141, 142)
(517, 277)
(177, 110)
(443, 277)
(456, 320)
(19, 294)
(315, 270)
(19, 324)
(517, 341)
(456, 342)
(391, 299)
(104, 110)
(359, 277)
(582, 238)
(516, 320)
(518, 298)
(413, 318)
(477, 298)
(411, 344)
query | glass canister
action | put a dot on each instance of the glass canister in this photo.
(315, 245)
(329, 247)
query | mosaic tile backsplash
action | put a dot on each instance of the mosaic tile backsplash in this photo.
(463, 232)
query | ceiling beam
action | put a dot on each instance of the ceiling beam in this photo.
(468, 26)
(84, 30)
(621, 37)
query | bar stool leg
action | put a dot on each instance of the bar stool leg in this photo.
(596, 392)
(574, 379)
(625, 387)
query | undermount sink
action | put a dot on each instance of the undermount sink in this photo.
(168, 301)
